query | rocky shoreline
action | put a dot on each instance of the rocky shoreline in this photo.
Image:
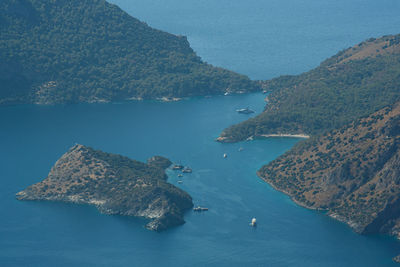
(335, 216)
(351, 172)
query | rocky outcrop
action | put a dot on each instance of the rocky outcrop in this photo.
(115, 185)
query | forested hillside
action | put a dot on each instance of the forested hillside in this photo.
(352, 84)
(61, 51)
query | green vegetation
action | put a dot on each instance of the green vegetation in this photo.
(89, 50)
(352, 84)
(352, 172)
(116, 185)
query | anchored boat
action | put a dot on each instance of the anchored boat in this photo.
(245, 111)
(177, 167)
(187, 170)
(198, 208)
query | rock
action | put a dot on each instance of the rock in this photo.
(115, 185)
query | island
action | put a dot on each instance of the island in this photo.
(115, 185)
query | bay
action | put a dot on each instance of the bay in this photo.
(262, 39)
(32, 138)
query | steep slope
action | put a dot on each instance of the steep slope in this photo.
(115, 185)
(353, 172)
(354, 83)
(91, 51)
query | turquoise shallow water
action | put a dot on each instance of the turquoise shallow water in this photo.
(259, 38)
(56, 234)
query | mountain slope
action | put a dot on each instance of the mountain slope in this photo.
(353, 172)
(352, 84)
(115, 185)
(89, 50)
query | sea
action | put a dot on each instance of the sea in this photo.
(262, 39)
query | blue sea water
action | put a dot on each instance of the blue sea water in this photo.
(259, 38)
(32, 138)
(267, 38)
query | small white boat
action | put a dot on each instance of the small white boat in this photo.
(253, 222)
(225, 155)
(177, 167)
(187, 170)
(241, 149)
(245, 111)
(198, 208)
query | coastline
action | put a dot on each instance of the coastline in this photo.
(337, 217)
(226, 139)
(353, 225)
(284, 135)
(301, 204)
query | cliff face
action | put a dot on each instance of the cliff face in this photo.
(115, 185)
(353, 172)
(354, 83)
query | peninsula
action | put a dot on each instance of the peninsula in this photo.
(115, 185)
(354, 83)
(92, 51)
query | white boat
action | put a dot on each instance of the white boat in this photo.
(187, 170)
(245, 111)
(225, 155)
(198, 208)
(253, 222)
(177, 167)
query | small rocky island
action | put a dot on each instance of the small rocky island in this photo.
(115, 185)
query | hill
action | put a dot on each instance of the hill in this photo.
(115, 185)
(70, 51)
(354, 83)
(352, 172)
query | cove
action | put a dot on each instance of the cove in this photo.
(262, 39)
